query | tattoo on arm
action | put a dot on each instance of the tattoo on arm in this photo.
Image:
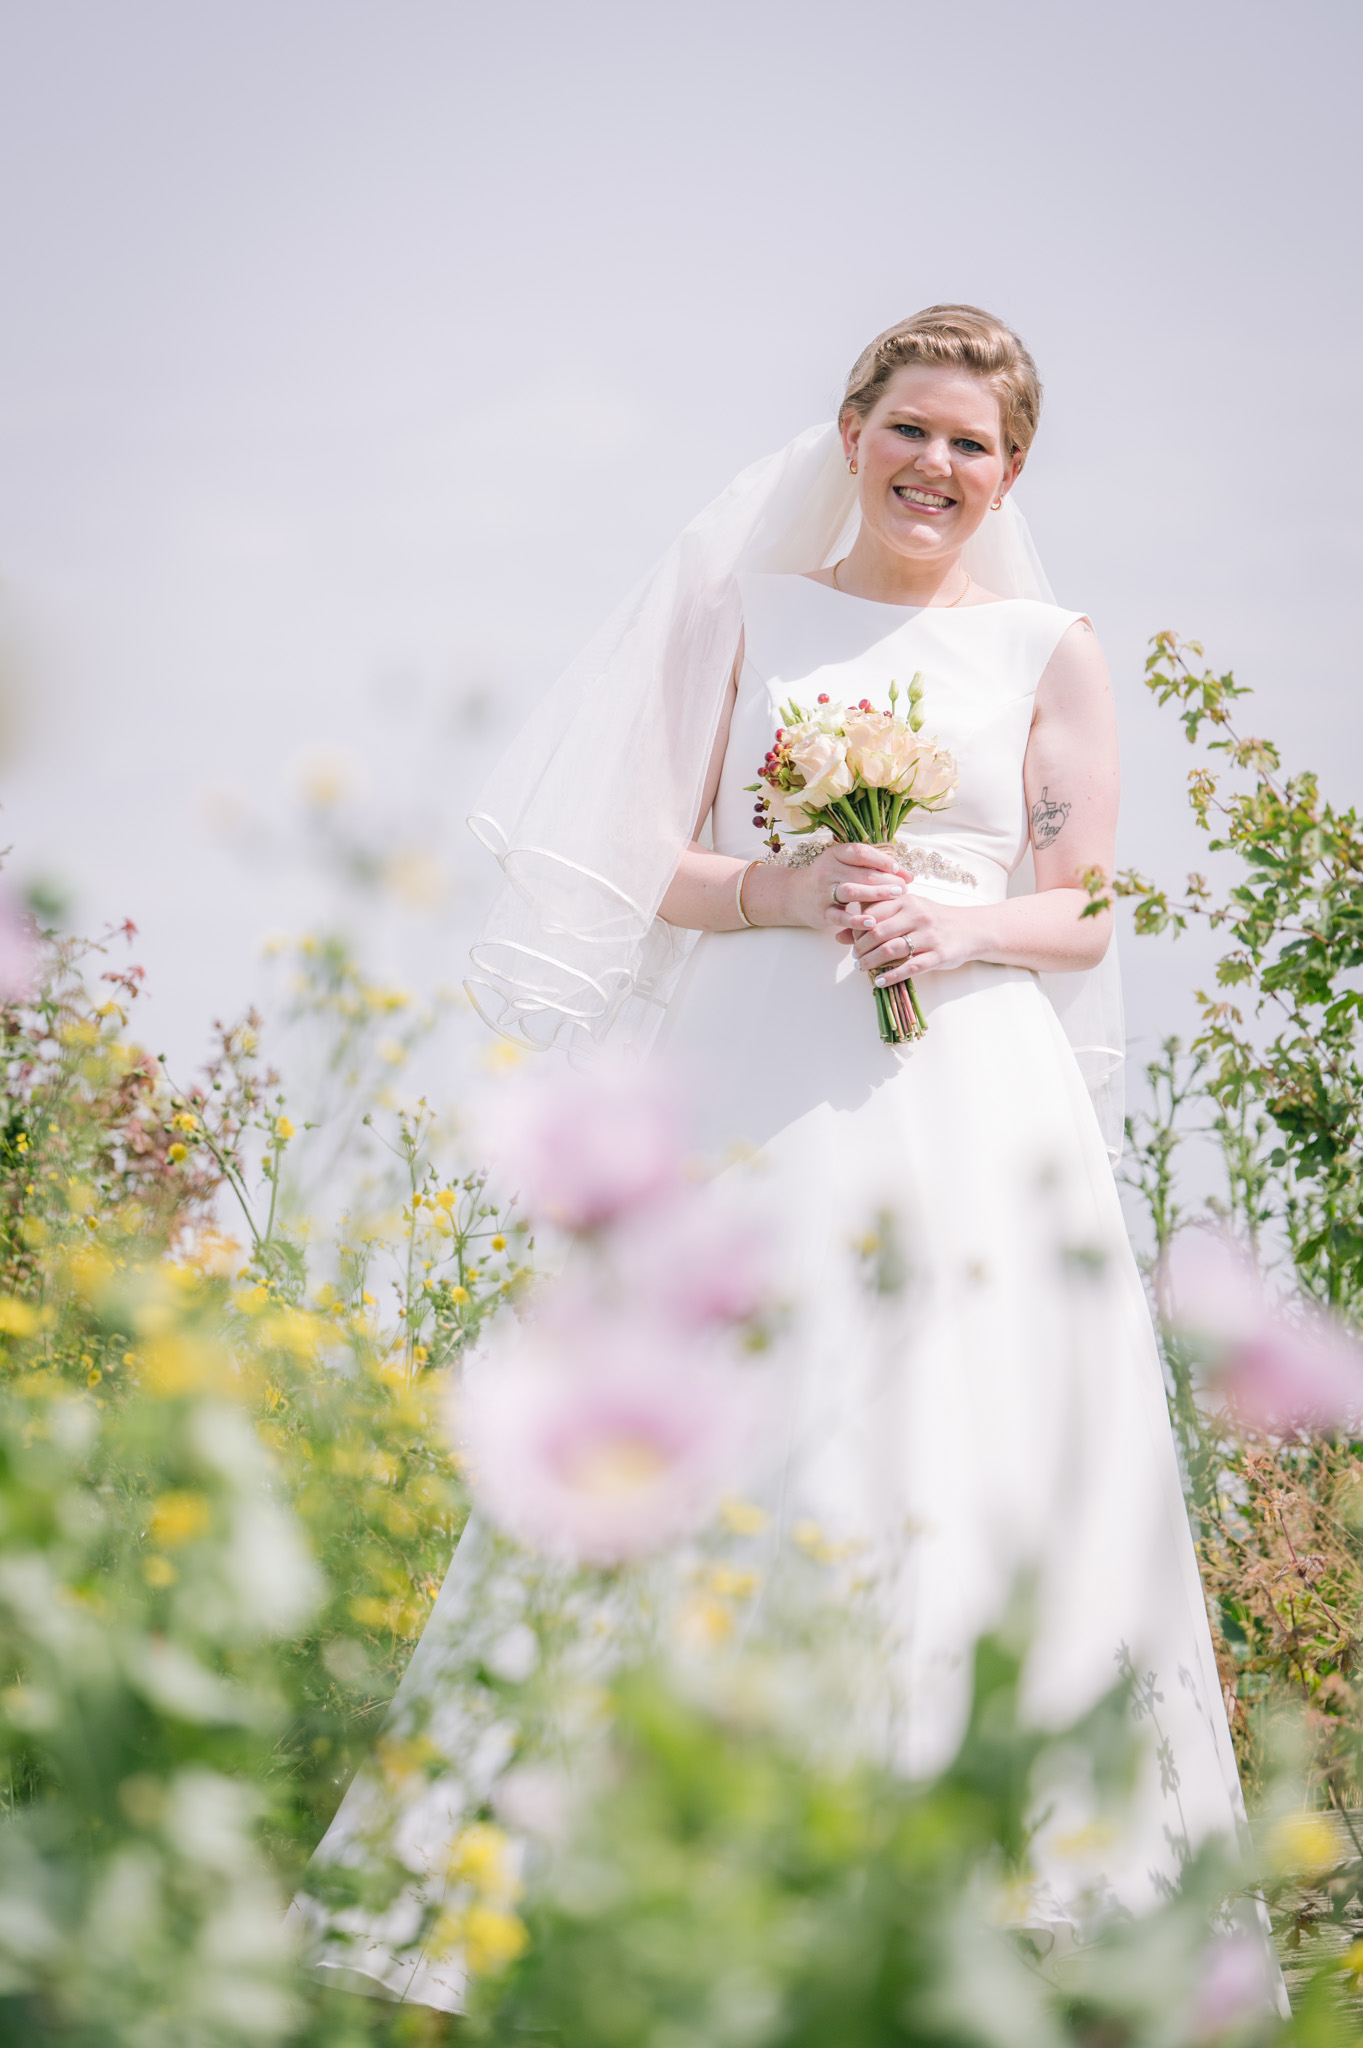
(1048, 819)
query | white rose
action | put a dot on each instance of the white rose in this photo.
(870, 755)
(787, 810)
(822, 761)
(936, 778)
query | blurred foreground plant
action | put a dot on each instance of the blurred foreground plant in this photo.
(225, 1507)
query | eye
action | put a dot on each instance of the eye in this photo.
(905, 427)
(971, 447)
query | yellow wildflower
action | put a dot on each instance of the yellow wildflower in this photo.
(185, 1122)
(492, 1939)
(459, 1294)
(283, 1130)
(481, 1857)
(732, 1585)
(179, 1517)
(177, 1152)
(744, 1517)
(17, 1318)
(499, 1243)
(1303, 1844)
(705, 1622)
(502, 1057)
(447, 1198)
(158, 1572)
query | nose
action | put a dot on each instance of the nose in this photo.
(934, 457)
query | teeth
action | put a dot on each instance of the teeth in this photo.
(922, 497)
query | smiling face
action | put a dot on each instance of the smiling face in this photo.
(931, 459)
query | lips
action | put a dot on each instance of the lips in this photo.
(926, 501)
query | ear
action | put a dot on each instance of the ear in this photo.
(851, 424)
(1011, 474)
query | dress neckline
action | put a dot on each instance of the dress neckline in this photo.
(911, 610)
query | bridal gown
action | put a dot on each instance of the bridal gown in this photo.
(998, 1418)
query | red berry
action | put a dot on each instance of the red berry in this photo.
(865, 704)
(824, 698)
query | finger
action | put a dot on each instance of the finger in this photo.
(857, 855)
(923, 963)
(899, 924)
(855, 927)
(894, 952)
(874, 889)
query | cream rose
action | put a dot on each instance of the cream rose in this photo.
(822, 761)
(936, 778)
(870, 748)
(787, 810)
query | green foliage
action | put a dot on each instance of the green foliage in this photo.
(1273, 1081)
(225, 1507)
(1293, 914)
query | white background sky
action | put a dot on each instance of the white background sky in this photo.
(355, 358)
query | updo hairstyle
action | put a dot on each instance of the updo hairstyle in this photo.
(956, 338)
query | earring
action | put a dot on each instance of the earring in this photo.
(852, 466)
(997, 505)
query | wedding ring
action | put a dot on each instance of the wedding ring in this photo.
(837, 900)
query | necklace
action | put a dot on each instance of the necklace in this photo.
(940, 607)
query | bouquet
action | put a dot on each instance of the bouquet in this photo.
(856, 773)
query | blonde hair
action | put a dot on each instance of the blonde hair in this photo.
(958, 338)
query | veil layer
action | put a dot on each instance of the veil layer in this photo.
(589, 809)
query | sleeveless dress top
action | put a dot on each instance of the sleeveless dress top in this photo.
(975, 1401)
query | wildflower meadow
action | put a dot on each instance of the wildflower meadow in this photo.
(267, 1339)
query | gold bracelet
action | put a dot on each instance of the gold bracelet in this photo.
(746, 922)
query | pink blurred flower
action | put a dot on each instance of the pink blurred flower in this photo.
(1214, 1287)
(696, 1261)
(1235, 1985)
(1279, 1370)
(611, 1449)
(1297, 1375)
(18, 952)
(581, 1150)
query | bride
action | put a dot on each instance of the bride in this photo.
(1019, 1420)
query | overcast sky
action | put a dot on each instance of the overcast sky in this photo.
(356, 357)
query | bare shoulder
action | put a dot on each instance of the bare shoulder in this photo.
(1076, 676)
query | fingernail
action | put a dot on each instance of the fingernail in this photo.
(882, 981)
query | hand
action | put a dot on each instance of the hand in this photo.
(839, 891)
(915, 936)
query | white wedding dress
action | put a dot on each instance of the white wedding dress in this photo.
(998, 1418)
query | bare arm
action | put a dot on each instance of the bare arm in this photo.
(703, 894)
(1070, 782)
